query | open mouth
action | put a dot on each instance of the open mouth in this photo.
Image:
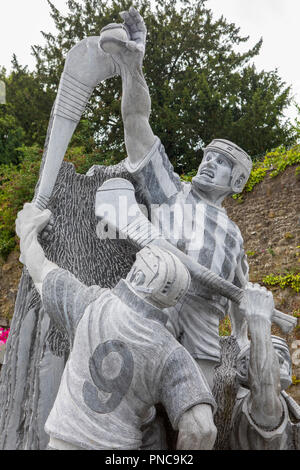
(208, 173)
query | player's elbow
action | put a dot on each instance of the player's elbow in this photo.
(196, 439)
(196, 434)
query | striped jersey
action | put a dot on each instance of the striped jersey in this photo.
(202, 231)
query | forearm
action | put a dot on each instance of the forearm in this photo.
(36, 263)
(136, 108)
(264, 375)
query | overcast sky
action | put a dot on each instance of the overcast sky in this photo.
(277, 21)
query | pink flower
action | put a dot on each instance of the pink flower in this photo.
(4, 335)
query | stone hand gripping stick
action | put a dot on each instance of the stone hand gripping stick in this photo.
(139, 230)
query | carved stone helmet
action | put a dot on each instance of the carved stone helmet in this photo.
(159, 276)
(285, 363)
(240, 159)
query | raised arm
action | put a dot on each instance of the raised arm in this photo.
(136, 103)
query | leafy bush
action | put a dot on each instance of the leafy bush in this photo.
(274, 162)
(188, 176)
(17, 184)
(11, 138)
(250, 253)
(83, 161)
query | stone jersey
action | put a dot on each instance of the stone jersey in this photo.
(202, 231)
(123, 361)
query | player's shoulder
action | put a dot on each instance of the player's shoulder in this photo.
(179, 364)
(165, 342)
(233, 225)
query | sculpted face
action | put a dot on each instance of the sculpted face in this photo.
(214, 171)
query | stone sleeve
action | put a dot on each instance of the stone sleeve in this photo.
(183, 386)
(155, 174)
(247, 435)
(65, 299)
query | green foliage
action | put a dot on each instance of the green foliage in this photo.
(271, 251)
(288, 236)
(296, 313)
(201, 87)
(82, 160)
(11, 137)
(17, 183)
(28, 102)
(283, 281)
(188, 176)
(295, 381)
(250, 253)
(256, 176)
(281, 158)
(225, 327)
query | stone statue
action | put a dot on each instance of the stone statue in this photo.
(123, 360)
(189, 216)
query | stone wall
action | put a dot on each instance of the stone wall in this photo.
(269, 219)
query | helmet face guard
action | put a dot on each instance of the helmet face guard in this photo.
(242, 163)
